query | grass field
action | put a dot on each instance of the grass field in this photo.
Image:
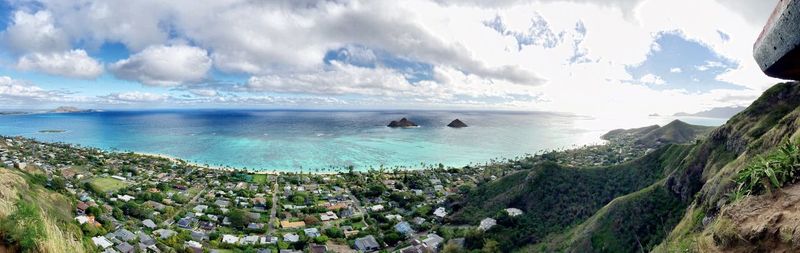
(106, 184)
(260, 179)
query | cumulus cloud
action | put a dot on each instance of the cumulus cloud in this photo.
(164, 65)
(73, 63)
(527, 54)
(34, 32)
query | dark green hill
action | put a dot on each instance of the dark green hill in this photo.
(667, 201)
(675, 132)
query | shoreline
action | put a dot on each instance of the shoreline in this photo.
(175, 159)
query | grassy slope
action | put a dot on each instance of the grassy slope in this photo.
(771, 120)
(648, 218)
(62, 234)
(700, 179)
(576, 193)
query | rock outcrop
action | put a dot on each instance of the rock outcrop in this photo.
(457, 124)
(402, 123)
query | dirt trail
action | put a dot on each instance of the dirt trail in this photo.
(765, 223)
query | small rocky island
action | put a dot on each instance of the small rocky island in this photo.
(69, 109)
(457, 123)
(402, 123)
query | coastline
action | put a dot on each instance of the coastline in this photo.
(223, 168)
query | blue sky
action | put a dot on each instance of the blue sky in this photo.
(420, 54)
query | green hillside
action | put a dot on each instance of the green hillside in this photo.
(656, 203)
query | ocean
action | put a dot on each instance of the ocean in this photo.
(319, 141)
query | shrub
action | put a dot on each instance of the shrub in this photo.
(24, 227)
(769, 172)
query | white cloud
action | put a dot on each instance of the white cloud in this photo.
(651, 79)
(34, 33)
(134, 97)
(74, 63)
(14, 92)
(282, 43)
(164, 65)
(203, 92)
(675, 70)
(710, 65)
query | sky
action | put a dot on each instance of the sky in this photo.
(613, 57)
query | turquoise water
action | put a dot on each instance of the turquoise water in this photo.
(321, 140)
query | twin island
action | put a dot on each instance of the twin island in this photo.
(405, 123)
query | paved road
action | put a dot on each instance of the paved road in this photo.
(274, 207)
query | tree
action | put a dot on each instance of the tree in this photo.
(392, 238)
(238, 218)
(311, 220)
(451, 248)
(490, 246)
(334, 232)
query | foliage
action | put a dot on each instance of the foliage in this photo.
(24, 226)
(577, 192)
(769, 172)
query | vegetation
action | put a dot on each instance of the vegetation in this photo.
(107, 184)
(24, 227)
(577, 192)
(769, 172)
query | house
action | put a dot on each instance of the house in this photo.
(125, 235)
(269, 240)
(291, 237)
(376, 208)
(433, 241)
(199, 236)
(194, 246)
(231, 239)
(513, 212)
(487, 223)
(367, 244)
(101, 242)
(125, 198)
(404, 228)
(125, 248)
(311, 232)
(185, 223)
(249, 240)
(146, 240)
(81, 208)
(328, 216)
(164, 233)
(222, 203)
(200, 208)
(148, 223)
(440, 212)
(255, 226)
(313, 248)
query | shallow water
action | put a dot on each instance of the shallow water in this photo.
(318, 140)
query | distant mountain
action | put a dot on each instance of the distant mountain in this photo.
(69, 109)
(719, 112)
